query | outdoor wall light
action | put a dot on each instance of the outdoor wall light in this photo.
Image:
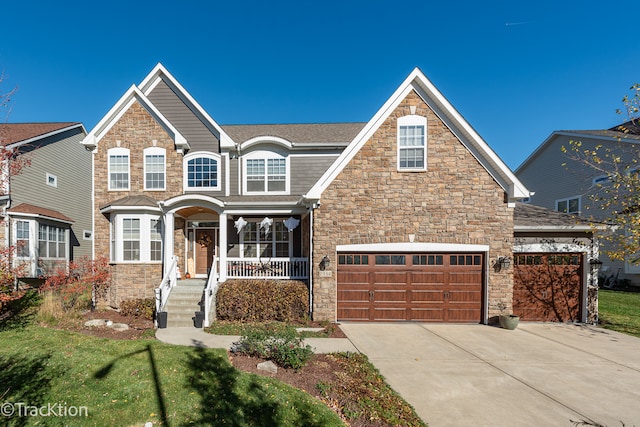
(595, 264)
(324, 264)
(503, 262)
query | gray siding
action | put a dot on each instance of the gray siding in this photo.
(185, 121)
(306, 170)
(63, 156)
(233, 177)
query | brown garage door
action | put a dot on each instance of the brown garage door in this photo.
(548, 287)
(419, 287)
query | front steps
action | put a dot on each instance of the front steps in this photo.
(185, 299)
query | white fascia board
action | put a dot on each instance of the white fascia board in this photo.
(46, 135)
(261, 210)
(154, 77)
(549, 247)
(266, 140)
(120, 108)
(419, 82)
(551, 228)
(187, 200)
(412, 247)
(38, 216)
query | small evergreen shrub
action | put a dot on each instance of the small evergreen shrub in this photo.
(254, 300)
(284, 347)
(143, 307)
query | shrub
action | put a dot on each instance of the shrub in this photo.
(283, 346)
(142, 307)
(255, 300)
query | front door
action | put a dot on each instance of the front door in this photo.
(205, 250)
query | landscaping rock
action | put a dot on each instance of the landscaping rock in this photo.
(268, 366)
(96, 322)
(309, 329)
(119, 326)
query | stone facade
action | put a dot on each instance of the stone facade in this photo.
(135, 130)
(454, 201)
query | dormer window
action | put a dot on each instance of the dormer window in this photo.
(202, 171)
(266, 172)
(412, 143)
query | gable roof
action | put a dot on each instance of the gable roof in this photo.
(23, 133)
(134, 202)
(37, 211)
(602, 135)
(527, 217)
(418, 82)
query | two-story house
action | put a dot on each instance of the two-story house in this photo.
(409, 216)
(562, 184)
(46, 208)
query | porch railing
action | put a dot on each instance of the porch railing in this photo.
(277, 268)
(168, 282)
(210, 290)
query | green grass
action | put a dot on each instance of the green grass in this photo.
(127, 383)
(620, 311)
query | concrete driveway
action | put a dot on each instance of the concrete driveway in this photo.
(540, 374)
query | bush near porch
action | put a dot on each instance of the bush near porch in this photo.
(255, 300)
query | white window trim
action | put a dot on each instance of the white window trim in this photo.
(145, 238)
(155, 151)
(185, 170)
(52, 180)
(118, 151)
(568, 199)
(266, 156)
(33, 238)
(411, 120)
(66, 242)
(271, 241)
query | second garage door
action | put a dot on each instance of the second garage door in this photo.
(419, 287)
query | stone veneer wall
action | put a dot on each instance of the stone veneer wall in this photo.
(454, 201)
(136, 130)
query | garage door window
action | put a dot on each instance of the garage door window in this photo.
(465, 260)
(428, 260)
(390, 260)
(353, 259)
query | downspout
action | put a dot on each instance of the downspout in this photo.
(311, 209)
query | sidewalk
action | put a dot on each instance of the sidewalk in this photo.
(189, 336)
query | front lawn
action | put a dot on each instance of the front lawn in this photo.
(132, 382)
(620, 311)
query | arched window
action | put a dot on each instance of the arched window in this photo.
(202, 171)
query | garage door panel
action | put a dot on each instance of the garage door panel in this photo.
(357, 314)
(412, 287)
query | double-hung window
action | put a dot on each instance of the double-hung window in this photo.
(118, 168)
(154, 168)
(136, 238)
(51, 241)
(266, 175)
(256, 242)
(412, 143)
(22, 239)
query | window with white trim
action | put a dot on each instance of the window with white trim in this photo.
(22, 239)
(202, 171)
(51, 241)
(256, 242)
(154, 168)
(52, 180)
(412, 143)
(136, 238)
(118, 168)
(569, 205)
(266, 172)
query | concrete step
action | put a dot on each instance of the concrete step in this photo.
(175, 319)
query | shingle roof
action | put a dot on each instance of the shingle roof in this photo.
(25, 208)
(331, 133)
(11, 133)
(631, 127)
(526, 215)
(607, 133)
(139, 201)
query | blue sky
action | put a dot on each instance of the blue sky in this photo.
(516, 70)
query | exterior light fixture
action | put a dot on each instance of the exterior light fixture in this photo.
(324, 264)
(503, 262)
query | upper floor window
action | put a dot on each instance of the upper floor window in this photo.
(154, 168)
(118, 169)
(412, 143)
(202, 171)
(569, 205)
(266, 173)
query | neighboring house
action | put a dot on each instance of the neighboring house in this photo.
(561, 184)
(46, 208)
(406, 217)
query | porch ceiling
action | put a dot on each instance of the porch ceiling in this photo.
(194, 210)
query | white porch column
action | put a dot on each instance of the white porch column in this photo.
(168, 241)
(223, 247)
